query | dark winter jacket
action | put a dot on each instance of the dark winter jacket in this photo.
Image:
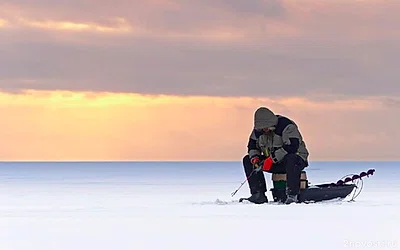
(284, 137)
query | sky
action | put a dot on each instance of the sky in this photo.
(180, 80)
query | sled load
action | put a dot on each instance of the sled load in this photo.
(320, 192)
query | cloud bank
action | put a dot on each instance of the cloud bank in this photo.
(218, 48)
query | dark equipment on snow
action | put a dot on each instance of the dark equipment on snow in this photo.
(320, 192)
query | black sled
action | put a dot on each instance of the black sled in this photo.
(320, 192)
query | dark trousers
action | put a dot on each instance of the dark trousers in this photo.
(291, 165)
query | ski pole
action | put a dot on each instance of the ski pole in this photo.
(252, 172)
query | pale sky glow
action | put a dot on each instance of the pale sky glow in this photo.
(3, 23)
(122, 26)
(162, 80)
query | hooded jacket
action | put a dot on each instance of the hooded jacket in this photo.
(284, 137)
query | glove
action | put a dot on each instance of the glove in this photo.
(267, 164)
(255, 160)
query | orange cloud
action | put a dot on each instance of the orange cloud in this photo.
(104, 126)
(3, 23)
(122, 26)
(152, 21)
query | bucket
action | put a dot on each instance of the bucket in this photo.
(303, 180)
(279, 181)
(279, 185)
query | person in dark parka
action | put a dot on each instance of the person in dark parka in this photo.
(277, 146)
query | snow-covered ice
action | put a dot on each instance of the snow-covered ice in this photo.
(167, 205)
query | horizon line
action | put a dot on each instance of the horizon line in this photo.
(167, 161)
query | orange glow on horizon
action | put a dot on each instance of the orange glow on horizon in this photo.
(62, 125)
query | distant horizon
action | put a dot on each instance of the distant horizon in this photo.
(174, 161)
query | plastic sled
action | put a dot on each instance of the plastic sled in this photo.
(320, 192)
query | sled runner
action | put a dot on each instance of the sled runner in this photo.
(320, 192)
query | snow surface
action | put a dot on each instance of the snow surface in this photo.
(166, 205)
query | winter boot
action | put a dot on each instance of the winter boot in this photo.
(257, 198)
(290, 197)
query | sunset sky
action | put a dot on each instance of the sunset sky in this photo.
(181, 79)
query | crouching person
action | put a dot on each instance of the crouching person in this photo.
(275, 146)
